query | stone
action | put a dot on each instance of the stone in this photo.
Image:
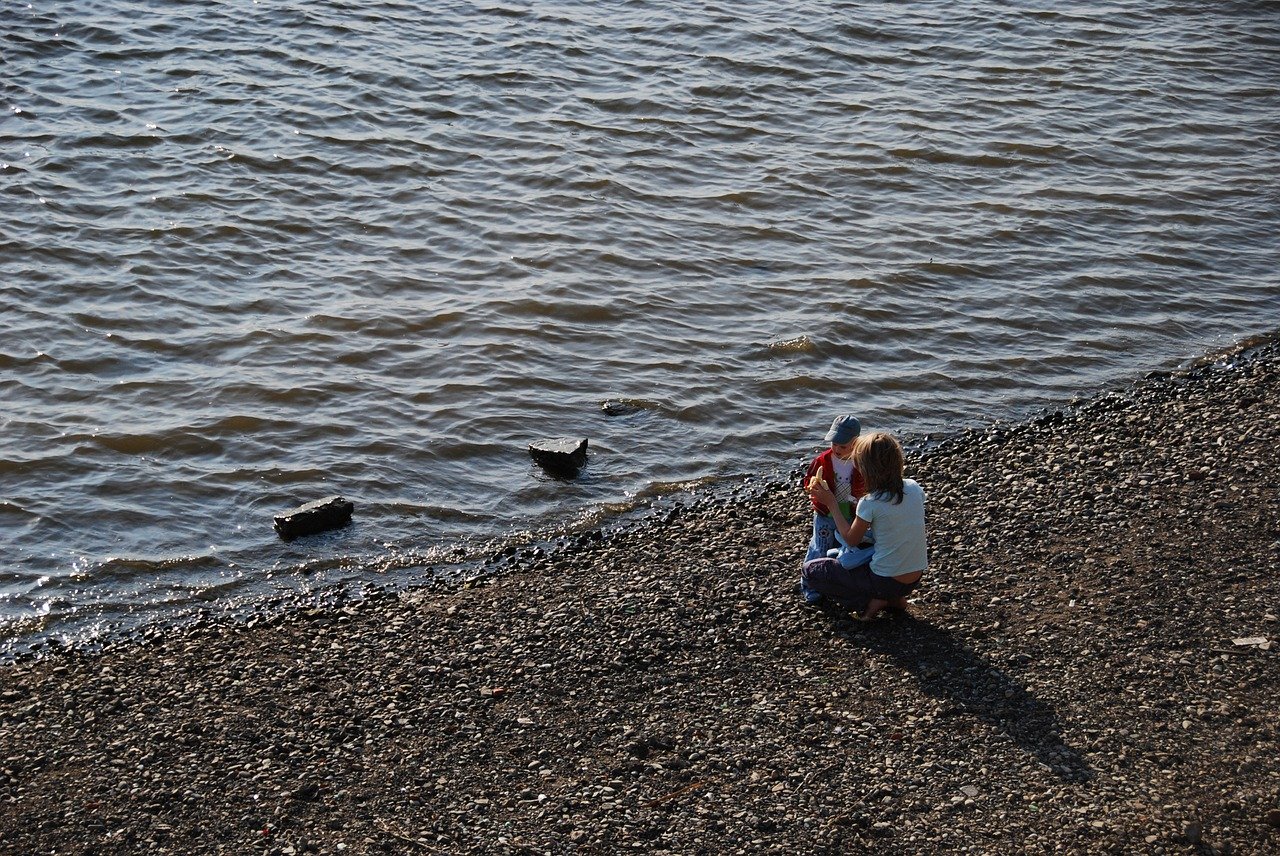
(321, 515)
(561, 457)
(618, 407)
(307, 793)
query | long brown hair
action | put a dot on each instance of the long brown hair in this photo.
(878, 456)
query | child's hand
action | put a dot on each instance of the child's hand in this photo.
(819, 491)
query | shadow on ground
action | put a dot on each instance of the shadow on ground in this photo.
(947, 669)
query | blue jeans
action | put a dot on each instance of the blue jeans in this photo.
(822, 542)
(824, 537)
(826, 542)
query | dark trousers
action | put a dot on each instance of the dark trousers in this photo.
(853, 587)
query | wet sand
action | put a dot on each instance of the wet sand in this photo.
(1090, 666)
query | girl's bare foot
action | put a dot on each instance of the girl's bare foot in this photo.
(873, 609)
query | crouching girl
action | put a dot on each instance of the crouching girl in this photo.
(895, 507)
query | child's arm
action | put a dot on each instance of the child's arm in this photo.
(815, 470)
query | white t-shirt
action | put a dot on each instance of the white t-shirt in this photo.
(900, 531)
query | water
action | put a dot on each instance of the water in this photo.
(258, 253)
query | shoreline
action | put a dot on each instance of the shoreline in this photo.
(1068, 680)
(495, 554)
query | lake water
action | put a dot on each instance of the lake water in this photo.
(257, 253)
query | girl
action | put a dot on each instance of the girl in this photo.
(895, 507)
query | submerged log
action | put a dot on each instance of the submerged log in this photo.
(321, 515)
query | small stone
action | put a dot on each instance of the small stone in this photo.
(618, 407)
(1272, 818)
(307, 792)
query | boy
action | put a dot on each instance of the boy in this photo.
(835, 468)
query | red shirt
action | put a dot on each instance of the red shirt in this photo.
(857, 486)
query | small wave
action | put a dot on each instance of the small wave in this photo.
(628, 106)
(1047, 151)
(938, 156)
(1166, 260)
(505, 77)
(759, 200)
(667, 488)
(126, 568)
(116, 141)
(1244, 346)
(720, 91)
(21, 626)
(431, 511)
(86, 34)
(174, 442)
(750, 69)
(791, 384)
(241, 424)
(953, 269)
(31, 154)
(567, 310)
(7, 507)
(11, 361)
(504, 11)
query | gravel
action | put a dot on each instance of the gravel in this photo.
(1090, 667)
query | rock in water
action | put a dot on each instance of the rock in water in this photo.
(318, 516)
(563, 457)
(618, 407)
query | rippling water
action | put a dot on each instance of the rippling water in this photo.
(258, 253)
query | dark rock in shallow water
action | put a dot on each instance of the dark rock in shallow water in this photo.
(318, 516)
(621, 406)
(563, 457)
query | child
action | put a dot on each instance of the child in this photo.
(895, 506)
(834, 467)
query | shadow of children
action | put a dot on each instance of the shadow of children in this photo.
(946, 668)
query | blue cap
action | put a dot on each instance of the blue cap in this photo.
(843, 429)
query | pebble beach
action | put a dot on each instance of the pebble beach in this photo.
(1089, 666)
